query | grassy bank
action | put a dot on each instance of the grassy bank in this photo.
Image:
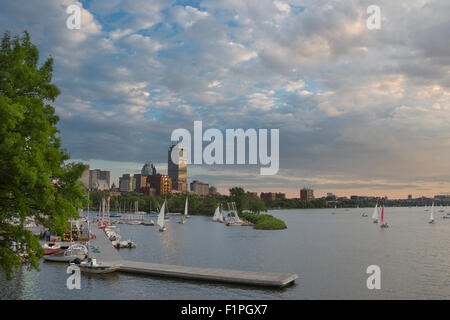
(264, 221)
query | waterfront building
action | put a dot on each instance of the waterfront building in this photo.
(127, 183)
(307, 194)
(200, 188)
(140, 181)
(160, 182)
(178, 172)
(272, 195)
(268, 196)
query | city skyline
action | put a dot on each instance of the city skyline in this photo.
(360, 111)
(161, 168)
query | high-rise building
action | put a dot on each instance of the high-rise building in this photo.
(148, 169)
(200, 188)
(177, 169)
(140, 181)
(160, 182)
(127, 183)
(99, 180)
(306, 194)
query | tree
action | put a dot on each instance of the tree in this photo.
(255, 204)
(237, 195)
(35, 180)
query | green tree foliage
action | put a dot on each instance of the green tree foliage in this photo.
(35, 181)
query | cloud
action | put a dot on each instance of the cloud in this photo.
(355, 107)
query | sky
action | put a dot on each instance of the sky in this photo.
(359, 111)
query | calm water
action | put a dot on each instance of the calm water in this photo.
(329, 252)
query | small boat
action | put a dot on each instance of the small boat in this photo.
(183, 218)
(148, 223)
(51, 247)
(127, 244)
(432, 215)
(364, 214)
(375, 214)
(134, 222)
(64, 256)
(383, 224)
(160, 220)
(233, 219)
(91, 266)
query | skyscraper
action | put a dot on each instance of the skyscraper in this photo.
(306, 194)
(148, 169)
(178, 171)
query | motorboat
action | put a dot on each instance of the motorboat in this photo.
(51, 247)
(91, 266)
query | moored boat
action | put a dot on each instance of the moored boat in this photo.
(91, 266)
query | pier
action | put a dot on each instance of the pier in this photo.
(108, 254)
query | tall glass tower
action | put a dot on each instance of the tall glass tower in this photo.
(177, 171)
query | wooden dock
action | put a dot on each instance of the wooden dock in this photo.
(264, 279)
(109, 254)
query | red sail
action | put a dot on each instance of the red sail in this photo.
(382, 212)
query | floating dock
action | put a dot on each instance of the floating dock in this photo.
(108, 254)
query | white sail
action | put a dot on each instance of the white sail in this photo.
(186, 207)
(216, 214)
(160, 221)
(432, 213)
(221, 219)
(375, 212)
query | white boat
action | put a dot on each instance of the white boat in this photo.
(148, 223)
(76, 251)
(375, 214)
(127, 244)
(432, 214)
(160, 220)
(91, 266)
(233, 219)
(183, 217)
(134, 222)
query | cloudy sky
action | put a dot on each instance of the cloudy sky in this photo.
(359, 111)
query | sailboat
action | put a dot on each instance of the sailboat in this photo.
(383, 224)
(432, 214)
(233, 218)
(160, 221)
(183, 219)
(216, 215)
(375, 214)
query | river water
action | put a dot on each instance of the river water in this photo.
(329, 249)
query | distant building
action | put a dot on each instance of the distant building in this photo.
(148, 169)
(268, 196)
(213, 191)
(160, 182)
(306, 194)
(280, 196)
(178, 171)
(95, 176)
(140, 181)
(200, 188)
(409, 196)
(127, 183)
